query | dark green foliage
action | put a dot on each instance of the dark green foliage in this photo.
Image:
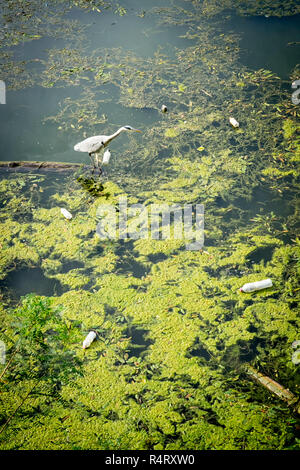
(41, 341)
(95, 188)
(39, 359)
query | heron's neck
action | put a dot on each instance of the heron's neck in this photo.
(111, 137)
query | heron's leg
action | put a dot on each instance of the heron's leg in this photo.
(97, 164)
(97, 160)
(91, 155)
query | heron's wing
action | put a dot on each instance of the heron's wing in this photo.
(91, 144)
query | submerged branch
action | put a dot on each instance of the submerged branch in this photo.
(274, 387)
(15, 411)
(8, 364)
(59, 166)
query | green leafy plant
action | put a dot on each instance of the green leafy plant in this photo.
(39, 357)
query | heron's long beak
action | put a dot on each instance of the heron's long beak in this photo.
(136, 130)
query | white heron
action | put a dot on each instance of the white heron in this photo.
(94, 145)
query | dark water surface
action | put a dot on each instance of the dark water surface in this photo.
(269, 43)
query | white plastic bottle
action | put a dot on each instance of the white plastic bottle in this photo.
(89, 339)
(234, 122)
(66, 213)
(106, 156)
(258, 285)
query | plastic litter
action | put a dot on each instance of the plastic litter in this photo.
(296, 357)
(66, 213)
(258, 285)
(106, 156)
(234, 122)
(88, 340)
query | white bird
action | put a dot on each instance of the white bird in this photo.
(94, 145)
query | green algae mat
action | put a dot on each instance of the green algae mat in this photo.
(174, 334)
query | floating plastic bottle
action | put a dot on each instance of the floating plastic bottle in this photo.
(234, 122)
(88, 340)
(296, 357)
(106, 156)
(258, 285)
(66, 213)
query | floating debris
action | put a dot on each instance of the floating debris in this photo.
(66, 213)
(89, 339)
(106, 156)
(296, 357)
(34, 187)
(205, 92)
(271, 385)
(164, 109)
(252, 286)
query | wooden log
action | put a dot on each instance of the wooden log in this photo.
(274, 387)
(58, 166)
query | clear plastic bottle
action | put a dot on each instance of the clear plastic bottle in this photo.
(89, 339)
(66, 213)
(234, 122)
(258, 285)
(106, 157)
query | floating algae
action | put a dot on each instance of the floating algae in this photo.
(91, 185)
(216, 8)
(176, 320)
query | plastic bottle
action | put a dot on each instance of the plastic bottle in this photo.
(234, 122)
(89, 339)
(66, 213)
(106, 156)
(252, 286)
(296, 357)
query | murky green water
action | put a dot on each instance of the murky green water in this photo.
(176, 334)
(24, 133)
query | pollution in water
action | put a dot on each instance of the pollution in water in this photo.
(182, 360)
